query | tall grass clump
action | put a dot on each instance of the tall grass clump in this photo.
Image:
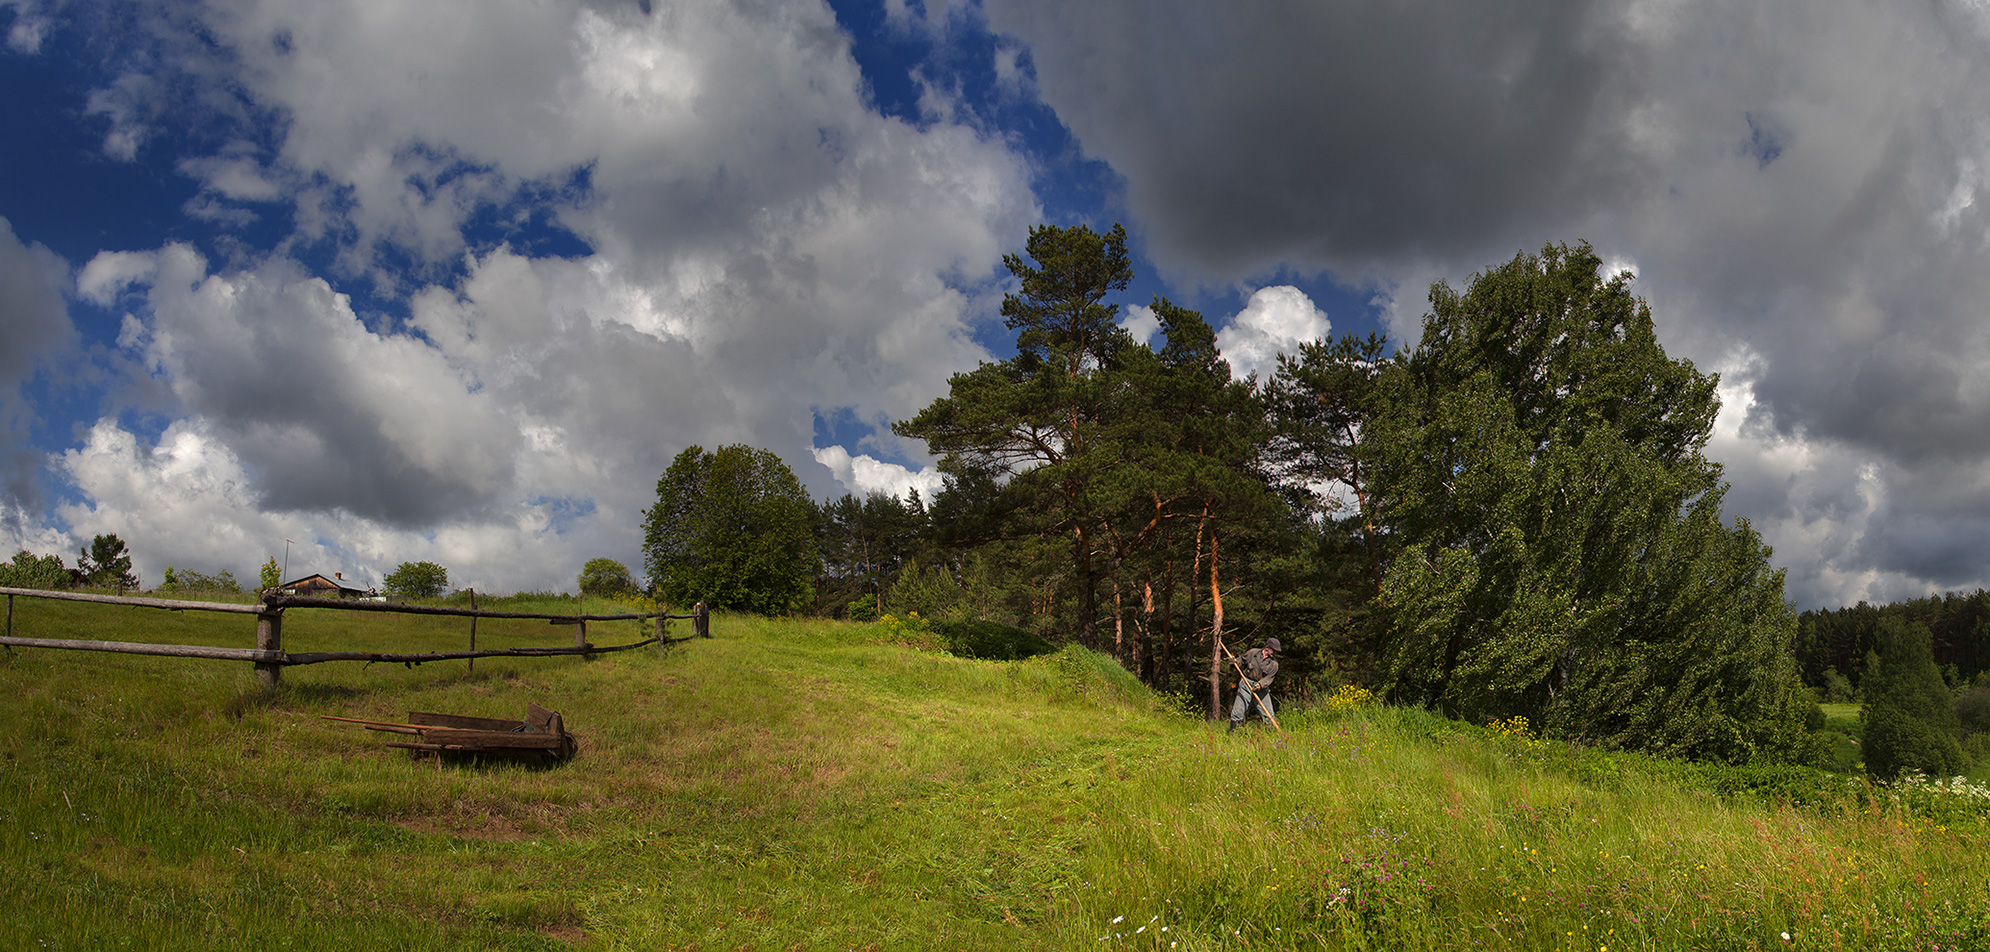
(1392, 829)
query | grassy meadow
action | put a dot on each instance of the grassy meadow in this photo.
(817, 785)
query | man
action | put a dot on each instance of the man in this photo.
(1260, 667)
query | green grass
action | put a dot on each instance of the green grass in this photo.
(814, 785)
(1842, 717)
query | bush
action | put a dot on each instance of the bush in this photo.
(183, 580)
(1797, 786)
(987, 640)
(865, 608)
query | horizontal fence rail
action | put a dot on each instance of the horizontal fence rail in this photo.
(270, 658)
(342, 604)
(139, 647)
(165, 603)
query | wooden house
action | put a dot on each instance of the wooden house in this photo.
(318, 586)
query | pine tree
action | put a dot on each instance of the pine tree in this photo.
(1041, 416)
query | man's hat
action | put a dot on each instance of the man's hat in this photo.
(1272, 645)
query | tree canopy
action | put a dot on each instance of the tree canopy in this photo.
(732, 528)
(1040, 417)
(416, 580)
(107, 563)
(1557, 549)
(1911, 722)
(605, 577)
(28, 570)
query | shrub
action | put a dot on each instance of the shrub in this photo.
(185, 580)
(989, 641)
(865, 608)
(1797, 786)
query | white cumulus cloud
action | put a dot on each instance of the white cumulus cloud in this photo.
(864, 474)
(1276, 320)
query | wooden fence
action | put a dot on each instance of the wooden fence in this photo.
(270, 659)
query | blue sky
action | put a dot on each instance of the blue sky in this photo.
(455, 281)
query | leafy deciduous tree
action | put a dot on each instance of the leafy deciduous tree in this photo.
(1910, 715)
(417, 580)
(1557, 548)
(731, 528)
(605, 577)
(29, 570)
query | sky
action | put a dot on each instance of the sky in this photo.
(351, 283)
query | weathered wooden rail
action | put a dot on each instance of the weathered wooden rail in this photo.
(270, 659)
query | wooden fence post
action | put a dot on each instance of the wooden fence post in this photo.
(473, 630)
(580, 634)
(662, 644)
(269, 637)
(702, 620)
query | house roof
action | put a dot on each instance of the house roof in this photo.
(342, 584)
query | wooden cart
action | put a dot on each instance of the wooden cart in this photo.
(541, 737)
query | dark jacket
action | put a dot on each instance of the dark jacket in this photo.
(1260, 668)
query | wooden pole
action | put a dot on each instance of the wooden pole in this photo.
(702, 620)
(1244, 684)
(143, 648)
(166, 603)
(580, 634)
(269, 637)
(473, 630)
(347, 605)
(662, 646)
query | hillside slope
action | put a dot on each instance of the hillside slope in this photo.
(807, 785)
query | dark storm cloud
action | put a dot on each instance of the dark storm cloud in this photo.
(1340, 134)
(1800, 186)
